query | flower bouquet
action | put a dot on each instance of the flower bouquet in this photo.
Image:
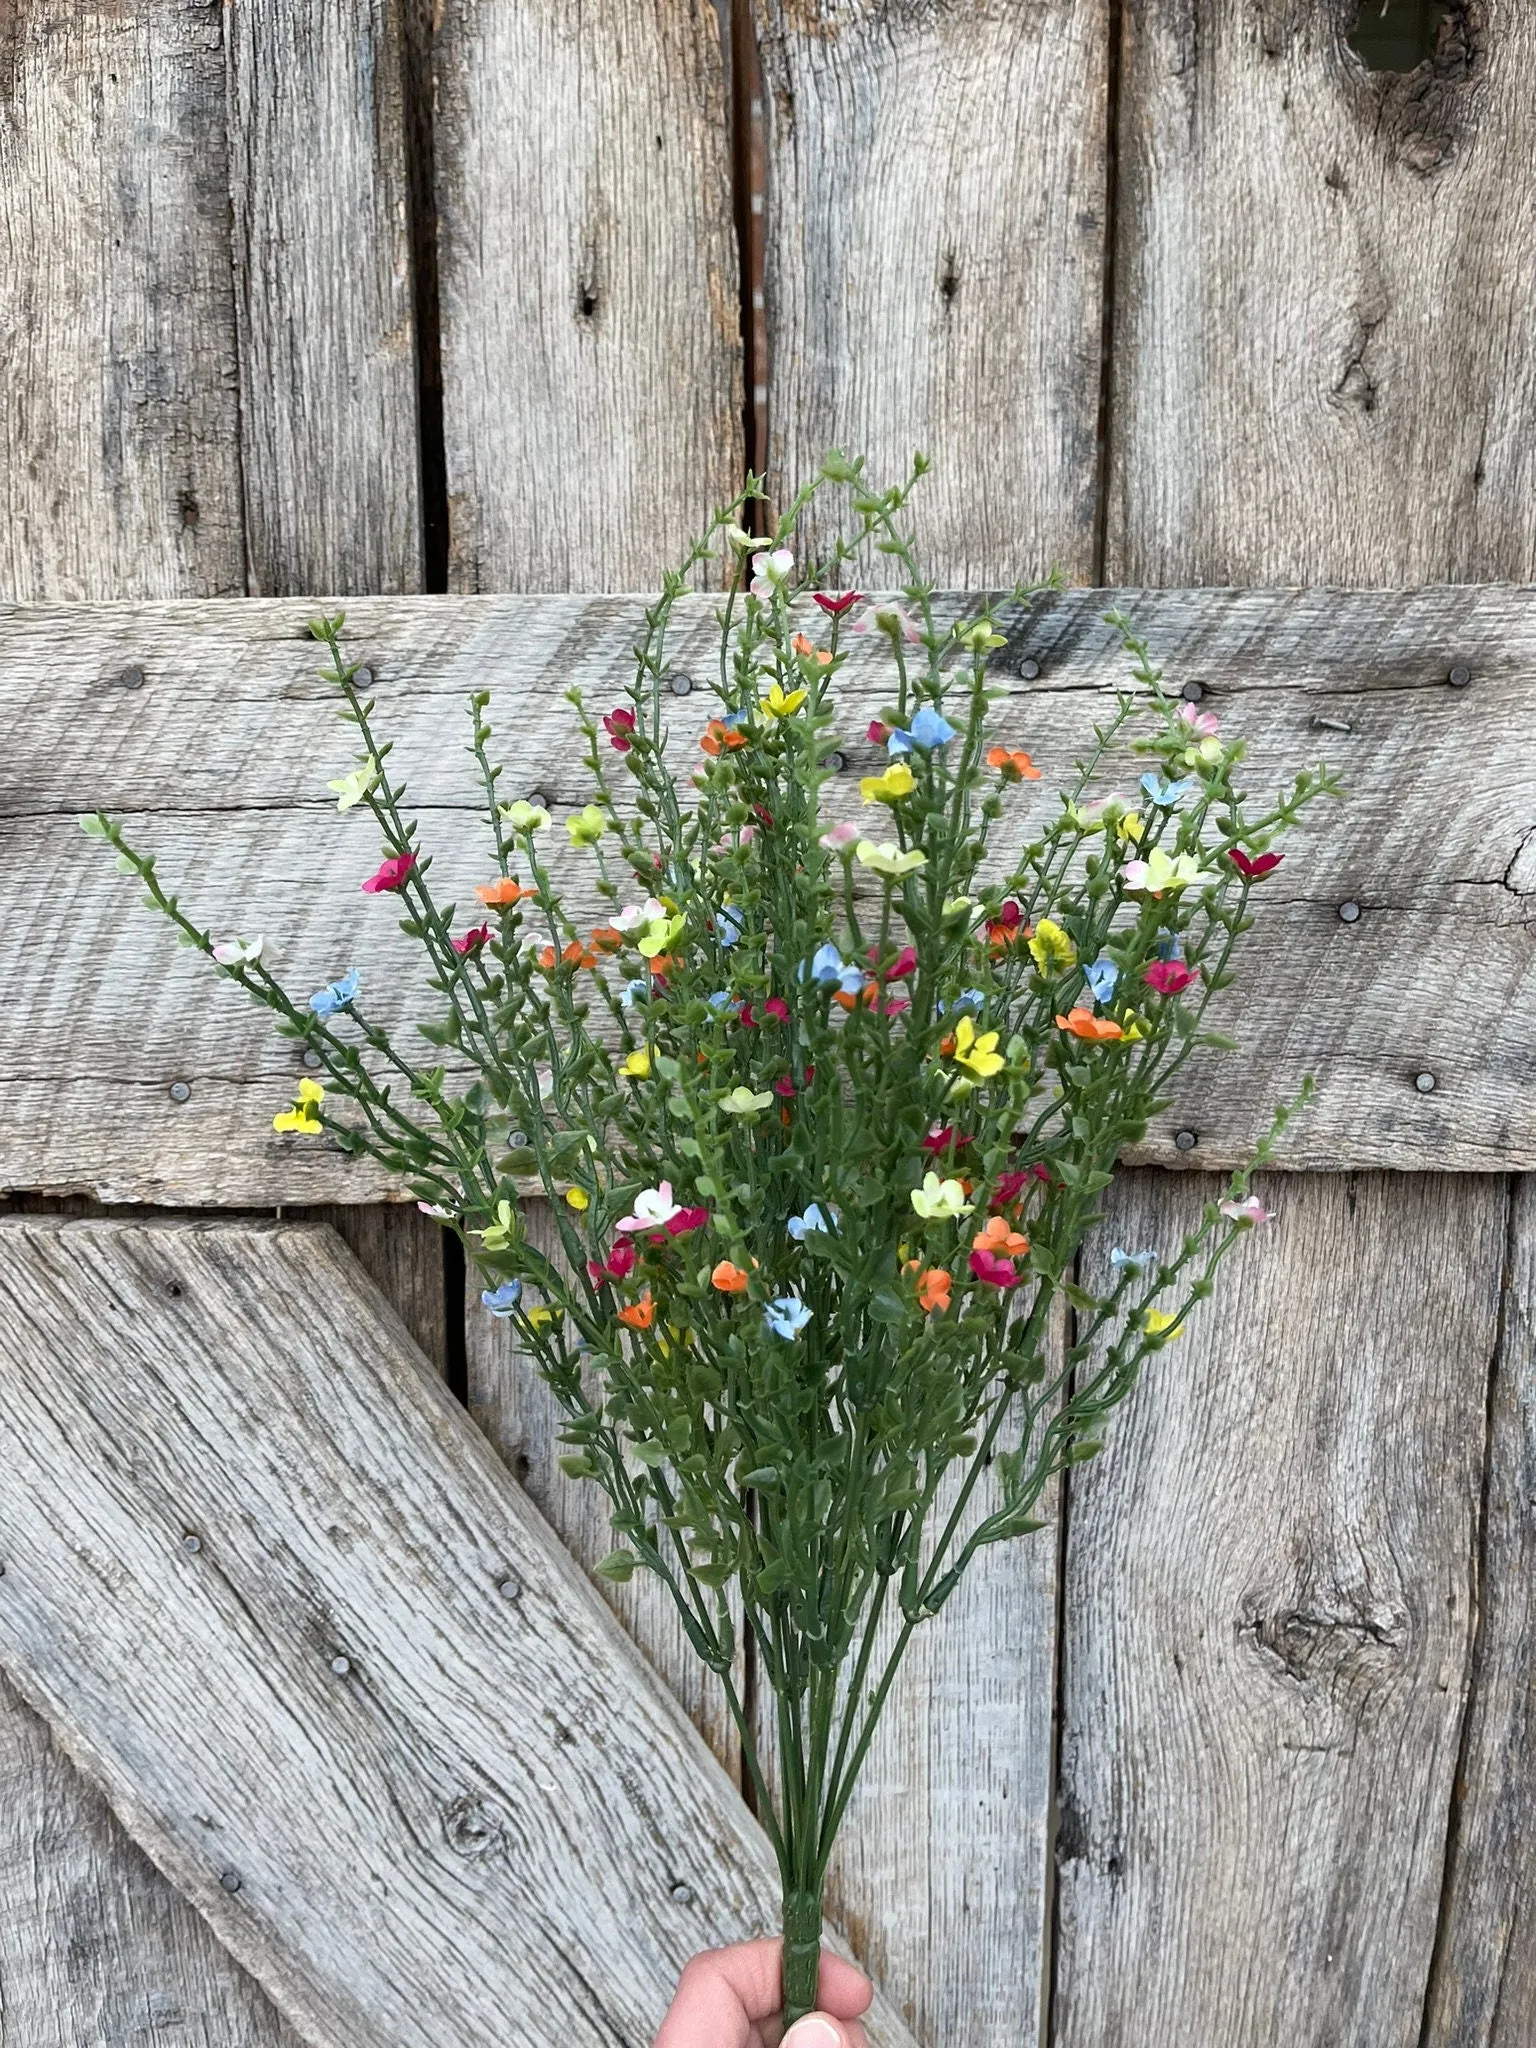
(823, 1106)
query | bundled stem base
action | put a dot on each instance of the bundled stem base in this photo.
(802, 1953)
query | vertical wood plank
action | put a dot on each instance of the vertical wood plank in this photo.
(402, 1252)
(118, 408)
(934, 264)
(520, 1415)
(1269, 1601)
(591, 325)
(321, 259)
(1322, 369)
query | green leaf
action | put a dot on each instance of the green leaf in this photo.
(886, 1306)
(618, 1566)
(578, 1466)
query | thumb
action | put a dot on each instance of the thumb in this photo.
(816, 2030)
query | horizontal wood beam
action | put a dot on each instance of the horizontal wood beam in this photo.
(279, 1598)
(1392, 956)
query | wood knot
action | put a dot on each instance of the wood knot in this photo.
(1325, 1641)
(471, 1827)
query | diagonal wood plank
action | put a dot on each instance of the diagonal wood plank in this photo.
(279, 1598)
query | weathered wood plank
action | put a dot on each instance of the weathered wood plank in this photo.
(95, 1947)
(403, 1253)
(493, 1818)
(321, 259)
(591, 324)
(220, 757)
(1325, 288)
(1483, 1988)
(119, 412)
(1270, 1594)
(520, 1415)
(934, 262)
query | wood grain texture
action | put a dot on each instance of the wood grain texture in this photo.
(1271, 1583)
(591, 324)
(1483, 1988)
(493, 1825)
(522, 1419)
(321, 259)
(119, 417)
(403, 1253)
(218, 761)
(1322, 364)
(95, 1946)
(934, 263)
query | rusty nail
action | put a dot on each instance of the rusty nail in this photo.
(1186, 1140)
(1425, 1083)
(1459, 676)
(230, 1879)
(1192, 692)
(1029, 668)
(511, 1587)
(180, 1091)
(191, 1542)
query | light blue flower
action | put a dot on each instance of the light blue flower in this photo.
(786, 1316)
(1166, 795)
(734, 719)
(719, 1000)
(633, 992)
(812, 1219)
(503, 1299)
(336, 995)
(728, 926)
(973, 999)
(1133, 1262)
(930, 729)
(827, 966)
(1170, 946)
(1101, 978)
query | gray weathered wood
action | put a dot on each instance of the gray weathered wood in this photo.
(1271, 1584)
(1324, 294)
(321, 258)
(95, 1946)
(220, 757)
(1483, 1989)
(520, 1415)
(403, 1253)
(934, 263)
(591, 322)
(494, 1825)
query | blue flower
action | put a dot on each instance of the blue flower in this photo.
(812, 1219)
(786, 1316)
(1134, 1262)
(728, 926)
(828, 967)
(734, 719)
(1101, 978)
(503, 1299)
(719, 1000)
(336, 995)
(1170, 946)
(930, 729)
(968, 999)
(634, 992)
(1166, 795)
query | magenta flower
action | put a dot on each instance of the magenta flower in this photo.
(777, 1009)
(944, 1140)
(472, 940)
(995, 1271)
(834, 604)
(903, 965)
(876, 733)
(684, 1220)
(618, 1265)
(1254, 867)
(784, 1086)
(390, 875)
(619, 724)
(1168, 977)
(1205, 723)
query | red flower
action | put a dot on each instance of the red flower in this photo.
(685, 1220)
(1168, 977)
(472, 940)
(876, 733)
(391, 874)
(904, 964)
(996, 1272)
(745, 1018)
(777, 1009)
(1009, 1188)
(944, 1140)
(1254, 869)
(618, 1265)
(619, 725)
(765, 816)
(834, 605)
(784, 1086)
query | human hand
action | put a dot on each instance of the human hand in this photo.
(733, 1998)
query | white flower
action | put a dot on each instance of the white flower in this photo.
(654, 1209)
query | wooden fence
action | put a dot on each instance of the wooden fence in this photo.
(491, 297)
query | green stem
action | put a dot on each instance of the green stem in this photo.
(802, 1947)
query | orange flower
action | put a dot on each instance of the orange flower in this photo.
(501, 894)
(640, 1314)
(1012, 765)
(1000, 1237)
(607, 938)
(933, 1289)
(574, 955)
(665, 962)
(718, 737)
(1084, 1024)
(807, 648)
(729, 1279)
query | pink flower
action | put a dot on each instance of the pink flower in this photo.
(771, 570)
(619, 724)
(784, 1086)
(904, 964)
(996, 1272)
(777, 1009)
(1254, 868)
(839, 836)
(472, 940)
(888, 618)
(1168, 977)
(1250, 1210)
(944, 1140)
(1009, 1188)
(876, 733)
(1205, 723)
(834, 604)
(390, 874)
(618, 1265)
(685, 1220)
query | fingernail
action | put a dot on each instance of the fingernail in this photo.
(814, 2031)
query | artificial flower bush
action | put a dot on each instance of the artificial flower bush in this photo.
(823, 1107)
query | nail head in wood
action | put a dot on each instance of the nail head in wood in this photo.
(511, 1587)
(517, 1140)
(538, 799)
(191, 1542)
(837, 763)
(341, 1666)
(230, 1879)
(1192, 692)
(1425, 1083)
(180, 1091)
(679, 684)
(130, 679)
(1349, 912)
(683, 1893)
(1186, 1141)
(1029, 668)
(311, 1059)
(1459, 676)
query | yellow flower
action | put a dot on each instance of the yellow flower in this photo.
(577, 1199)
(661, 934)
(1130, 827)
(742, 1102)
(586, 826)
(888, 788)
(1157, 1320)
(538, 1317)
(781, 704)
(639, 1063)
(498, 1235)
(887, 859)
(937, 1199)
(1204, 753)
(351, 789)
(1159, 872)
(977, 1050)
(1051, 948)
(302, 1116)
(525, 817)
